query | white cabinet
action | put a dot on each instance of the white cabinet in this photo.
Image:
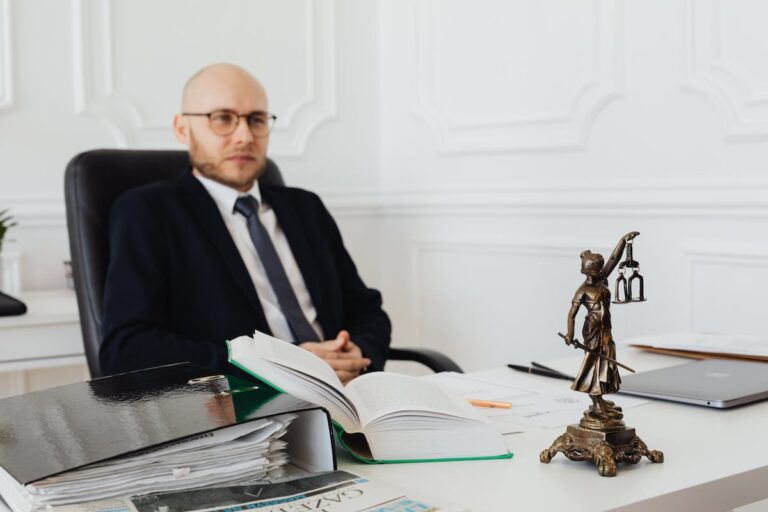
(43, 347)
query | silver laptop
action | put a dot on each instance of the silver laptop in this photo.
(717, 383)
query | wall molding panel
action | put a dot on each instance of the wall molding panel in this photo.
(566, 129)
(742, 269)
(6, 57)
(97, 93)
(707, 72)
(319, 103)
(745, 200)
(727, 198)
(437, 303)
(34, 212)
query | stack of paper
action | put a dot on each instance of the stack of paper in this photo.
(704, 345)
(239, 454)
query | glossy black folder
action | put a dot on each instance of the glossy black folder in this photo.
(52, 431)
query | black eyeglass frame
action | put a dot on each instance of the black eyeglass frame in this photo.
(271, 118)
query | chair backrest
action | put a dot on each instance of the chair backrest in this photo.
(92, 182)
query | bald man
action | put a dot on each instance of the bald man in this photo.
(212, 254)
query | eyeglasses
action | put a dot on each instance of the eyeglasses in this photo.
(225, 122)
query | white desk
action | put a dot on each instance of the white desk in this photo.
(48, 335)
(715, 460)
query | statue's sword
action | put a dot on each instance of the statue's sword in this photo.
(578, 344)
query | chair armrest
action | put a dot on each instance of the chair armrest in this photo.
(432, 359)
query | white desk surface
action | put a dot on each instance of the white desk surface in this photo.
(714, 460)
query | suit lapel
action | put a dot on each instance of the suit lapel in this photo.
(206, 213)
(289, 221)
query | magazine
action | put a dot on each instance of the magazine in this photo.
(335, 491)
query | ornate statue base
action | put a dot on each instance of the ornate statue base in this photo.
(602, 438)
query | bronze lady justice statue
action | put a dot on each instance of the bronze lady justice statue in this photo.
(597, 376)
(601, 435)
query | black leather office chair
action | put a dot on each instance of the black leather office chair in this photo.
(92, 182)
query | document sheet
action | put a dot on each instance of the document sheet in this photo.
(737, 345)
(536, 401)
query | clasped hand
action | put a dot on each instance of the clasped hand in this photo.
(341, 354)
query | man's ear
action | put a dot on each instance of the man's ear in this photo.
(181, 129)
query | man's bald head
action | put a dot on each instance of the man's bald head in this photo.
(235, 157)
(216, 81)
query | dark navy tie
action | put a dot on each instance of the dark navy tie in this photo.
(302, 331)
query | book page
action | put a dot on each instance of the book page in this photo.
(378, 394)
(288, 354)
(295, 371)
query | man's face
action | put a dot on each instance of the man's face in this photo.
(237, 159)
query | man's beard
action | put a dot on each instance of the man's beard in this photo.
(211, 170)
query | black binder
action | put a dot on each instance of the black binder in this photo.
(10, 306)
(48, 432)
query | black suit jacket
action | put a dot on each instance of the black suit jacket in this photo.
(177, 288)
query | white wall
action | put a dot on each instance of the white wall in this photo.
(516, 134)
(469, 150)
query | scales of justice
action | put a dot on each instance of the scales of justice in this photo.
(601, 436)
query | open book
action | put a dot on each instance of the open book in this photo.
(379, 417)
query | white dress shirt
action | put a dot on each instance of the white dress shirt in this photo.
(225, 198)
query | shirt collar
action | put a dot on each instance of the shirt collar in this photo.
(225, 196)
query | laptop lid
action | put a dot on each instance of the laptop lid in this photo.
(719, 383)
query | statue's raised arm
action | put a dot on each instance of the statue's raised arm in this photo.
(613, 260)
